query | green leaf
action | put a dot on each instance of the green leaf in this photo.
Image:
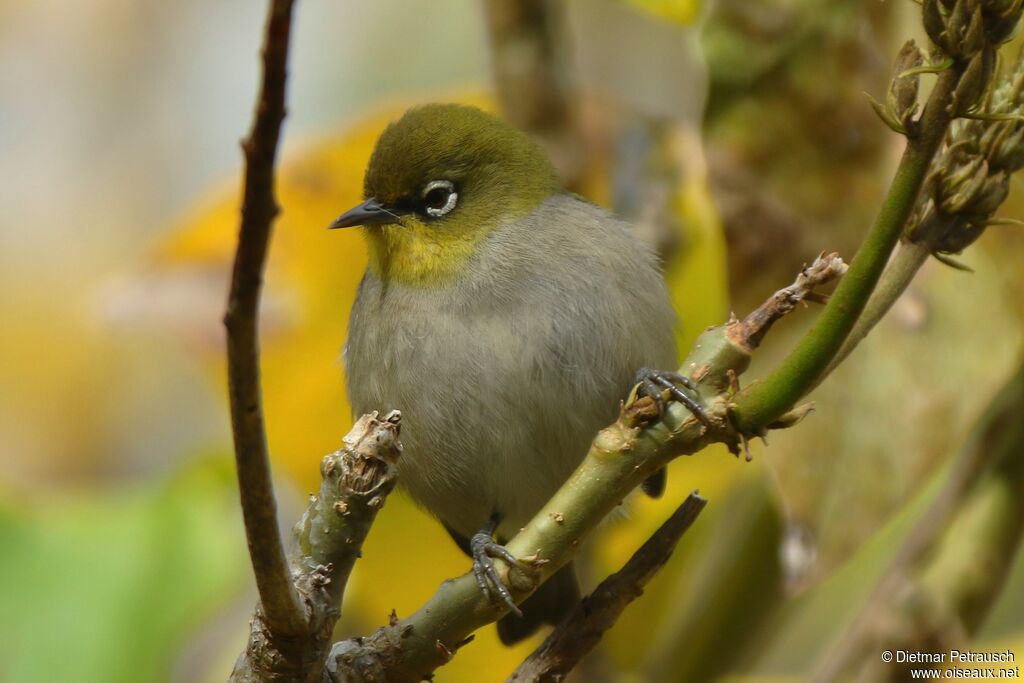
(107, 586)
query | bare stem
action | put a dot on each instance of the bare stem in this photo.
(281, 607)
(584, 627)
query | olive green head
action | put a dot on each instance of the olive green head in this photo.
(440, 179)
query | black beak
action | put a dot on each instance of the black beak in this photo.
(370, 212)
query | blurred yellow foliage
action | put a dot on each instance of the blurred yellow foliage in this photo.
(311, 279)
(683, 12)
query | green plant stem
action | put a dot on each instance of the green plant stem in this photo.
(764, 401)
(908, 259)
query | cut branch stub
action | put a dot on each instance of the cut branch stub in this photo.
(372, 448)
(356, 481)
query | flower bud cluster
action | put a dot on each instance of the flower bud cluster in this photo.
(971, 173)
(964, 28)
(969, 32)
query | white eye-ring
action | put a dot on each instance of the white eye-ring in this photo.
(439, 198)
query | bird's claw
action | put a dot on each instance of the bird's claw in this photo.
(484, 549)
(654, 382)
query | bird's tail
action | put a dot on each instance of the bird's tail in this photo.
(552, 601)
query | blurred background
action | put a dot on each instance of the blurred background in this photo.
(734, 134)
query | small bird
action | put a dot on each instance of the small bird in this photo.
(506, 318)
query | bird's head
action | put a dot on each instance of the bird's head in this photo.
(441, 179)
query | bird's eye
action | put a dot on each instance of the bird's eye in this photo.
(438, 198)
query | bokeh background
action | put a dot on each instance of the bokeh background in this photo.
(734, 134)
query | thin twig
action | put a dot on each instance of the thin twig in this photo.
(826, 268)
(585, 625)
(281, 606)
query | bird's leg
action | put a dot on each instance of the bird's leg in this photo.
(654, 382)
(484, 548)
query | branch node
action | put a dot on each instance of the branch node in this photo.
(793, 417)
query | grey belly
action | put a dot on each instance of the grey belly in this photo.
(492, 421)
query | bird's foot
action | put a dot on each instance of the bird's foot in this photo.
(654, 383)
(484, 549)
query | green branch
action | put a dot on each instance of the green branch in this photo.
(763, 402)
(907, 260)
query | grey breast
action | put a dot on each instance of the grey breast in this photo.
(505, 376)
